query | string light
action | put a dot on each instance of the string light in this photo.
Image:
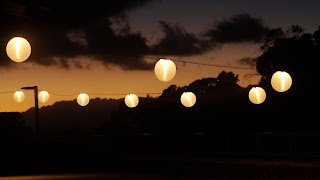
(18, 49)
(43, 96)
(165, 70)
(83, 99)
(281, 81)
(131, 100)
(257, 95)
(188, 99)
(19, 96)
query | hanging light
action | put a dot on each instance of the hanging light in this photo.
(43, 96)
(165, 70)
(257, 95)
(19, 96)
(18, 49)
(83, 99)
(188, 99)
(131, 100)
(281, 81)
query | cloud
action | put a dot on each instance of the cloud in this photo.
(177, 41)
(248, 61)
(78, 37)
(73, 28)
(236, 29)
(62, 32)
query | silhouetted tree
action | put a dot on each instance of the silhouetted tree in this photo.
(170, 91)
(202, 86)
(293, 52)
(316, 36)
(295, 31)
(14, 135)
(297, 53)
(12, 125)
(272, 36)
(227, 80)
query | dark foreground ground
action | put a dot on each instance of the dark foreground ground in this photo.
(256, 156)
(190, 168)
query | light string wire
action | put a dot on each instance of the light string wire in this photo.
(6, 92)
(214, 65)
(151, 93)
(93, 94)
(195, 63)
(102, 94)
(155, 93)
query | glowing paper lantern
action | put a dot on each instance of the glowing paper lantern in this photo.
(131, 100)
(165, 70)
(19, 96)
(18, 49)
(43, 96)
(83, 99)
(188, 99)
(257, 95)
(281, 81)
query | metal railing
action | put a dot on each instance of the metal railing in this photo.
(266, 145)
(251, 145)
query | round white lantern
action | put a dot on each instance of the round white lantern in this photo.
(257, 95)
(188, 99)
(83, 99)
(131, 100)
(165, 70)
(19, 96)
(281, 81)
(43, 96)
(18, 49)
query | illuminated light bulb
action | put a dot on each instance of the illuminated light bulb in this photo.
(131, 100)
(281, 81)
(188, 99)
(83, 99)
(19, 96)
(257, 95)
(18, 49)
(165, 70)
(43, 96)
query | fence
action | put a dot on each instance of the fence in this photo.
(250, 145)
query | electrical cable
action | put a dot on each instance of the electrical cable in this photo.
(6, 92)
(145, 57)
(189, 62)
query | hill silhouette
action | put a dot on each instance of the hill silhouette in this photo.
(221, 91)
(64, 116)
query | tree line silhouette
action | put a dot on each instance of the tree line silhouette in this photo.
(223, 105)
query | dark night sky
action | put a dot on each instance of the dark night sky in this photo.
(100, 46)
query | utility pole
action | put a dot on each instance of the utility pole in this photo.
(36, 109)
